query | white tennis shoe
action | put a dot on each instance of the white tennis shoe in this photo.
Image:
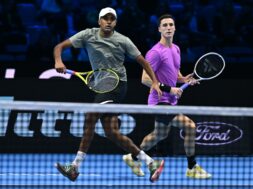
(198, 172)
(134, 165)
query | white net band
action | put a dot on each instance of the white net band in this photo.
(130, 108)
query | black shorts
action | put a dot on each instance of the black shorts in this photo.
(165, 119)
(115, 96)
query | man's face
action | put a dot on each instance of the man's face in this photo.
(107, 23)
(167, 28)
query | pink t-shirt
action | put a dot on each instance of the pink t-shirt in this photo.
(165, 62)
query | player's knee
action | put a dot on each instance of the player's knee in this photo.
(190, 124)
(91, 117)
(161, 135)
(111, 134)
(190, 127)
(108, 133)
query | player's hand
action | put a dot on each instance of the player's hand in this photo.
(176, 92)
(190, 79)
(193, 81)
(60, 67)
(155, 86)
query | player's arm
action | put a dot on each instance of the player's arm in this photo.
(146, 66)
(183, 79)
(59, 66)
(180, 78)
(186, 79)
(145, 80)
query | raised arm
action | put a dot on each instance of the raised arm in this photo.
(59, 66)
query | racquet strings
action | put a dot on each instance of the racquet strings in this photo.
(209, 66)
(102, 81)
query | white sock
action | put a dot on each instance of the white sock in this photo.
(144, 157)
(79, 158)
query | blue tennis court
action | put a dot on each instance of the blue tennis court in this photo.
(109, 171)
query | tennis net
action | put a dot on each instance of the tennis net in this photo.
(36, 135)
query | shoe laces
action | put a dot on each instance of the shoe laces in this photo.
(199, 169)
(153, 166)
(69, 167)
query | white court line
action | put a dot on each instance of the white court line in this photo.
(45, 174)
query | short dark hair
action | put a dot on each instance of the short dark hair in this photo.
(165, 16)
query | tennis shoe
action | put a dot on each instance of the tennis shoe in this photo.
(70, 171)
(134, 165)
(155, 168)
(197, 172)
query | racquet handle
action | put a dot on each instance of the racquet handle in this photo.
(184, 86)
(70, 72)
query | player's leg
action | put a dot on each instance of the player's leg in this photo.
(185, 123)
(135, 166)
(110, 125)
(160, 132)
(71, 170)
(194, 170)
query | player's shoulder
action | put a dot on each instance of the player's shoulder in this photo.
(176, 47)
(156, 48)
(119, 35)
(86, 34)
(89, 30)
(154, 52)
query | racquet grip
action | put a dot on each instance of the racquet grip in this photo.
(70, 71)
(184, 86)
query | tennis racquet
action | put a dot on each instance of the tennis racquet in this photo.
(99, 81)
(207, 67)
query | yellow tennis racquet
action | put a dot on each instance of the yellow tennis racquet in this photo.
(99, 81)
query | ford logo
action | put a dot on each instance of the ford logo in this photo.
(216, 133)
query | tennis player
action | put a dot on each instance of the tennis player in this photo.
(107, 49)
(164, 58)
